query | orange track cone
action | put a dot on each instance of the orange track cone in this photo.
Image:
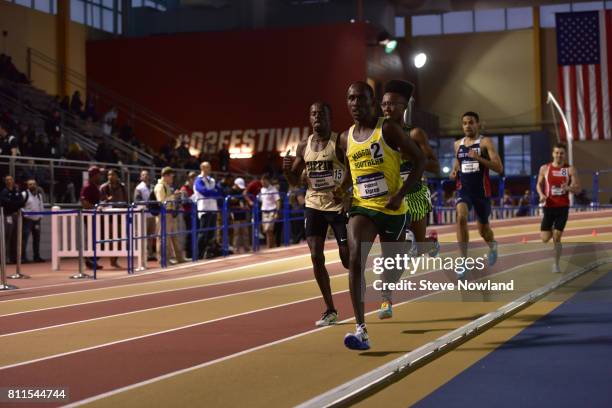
(594, 233)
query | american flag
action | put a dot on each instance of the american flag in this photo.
(584, 73)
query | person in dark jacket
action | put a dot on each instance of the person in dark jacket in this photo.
(11, 201)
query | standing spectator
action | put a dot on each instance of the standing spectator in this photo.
(53, 129)
(164, 193)
(205, 196)
(270, 209)
(34, 202)
(251, 192)
(76, 105)
(114, 191)
(11, 200)
(9, 145)
(187, 203)
(524, 202)
(182, 152)
(109, 121)
(142, 193)
(90, 108)
(224, 158)
(90, 197)
(239, 211)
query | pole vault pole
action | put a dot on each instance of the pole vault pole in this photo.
(568, 131)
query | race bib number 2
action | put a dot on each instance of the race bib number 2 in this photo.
(372, 185)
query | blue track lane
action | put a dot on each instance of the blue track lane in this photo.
(564, 359)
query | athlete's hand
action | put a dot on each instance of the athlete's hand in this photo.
(473, 154)
(453, 174)
(287, 161)
(394, 202)
(542, 198)
(565, 187)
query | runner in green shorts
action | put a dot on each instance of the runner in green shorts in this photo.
(395, 102)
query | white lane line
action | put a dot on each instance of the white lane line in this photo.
(241, 353)
(163, 291)
(231, 269)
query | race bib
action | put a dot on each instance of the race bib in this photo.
(470, 167)
(321, 180)
(372, 185)
(557, 191)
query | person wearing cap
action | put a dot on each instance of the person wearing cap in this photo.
(164, 193)
(239, 210)
(90, 196)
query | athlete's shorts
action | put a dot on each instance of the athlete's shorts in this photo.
(391, 227)
(554, 217)
(419, 203)
(317, 221)
(482, 206)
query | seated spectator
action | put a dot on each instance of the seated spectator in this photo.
(34, 202)
(76, 105)
(183, 152)
(507, 199)
(90, 108)
(109, 121)
(75, 152)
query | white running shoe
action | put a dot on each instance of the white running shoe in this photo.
(555, 268)
(328, 318)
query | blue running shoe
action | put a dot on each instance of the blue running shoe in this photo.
(385, 311)
(493, 254)
(358, 340)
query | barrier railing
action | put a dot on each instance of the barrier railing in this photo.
(122, 232)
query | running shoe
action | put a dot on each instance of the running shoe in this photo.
(386, 310)
(435, 250)
(555, 268)
(493, 254)
(328, 318)
(358, 340)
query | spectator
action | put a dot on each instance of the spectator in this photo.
(34, 202)
(9, 145)
(224, 158)
(142, 193)
(183, 152)
(239, 210)
(90, 197)
(507, 199)
(186, 194)
(90, 108)
(164, 193)
(11, 201)
(76, 105)
(205, 196)
(524, 203)
(109, 121)
(251, 192)
(270, 209)
(53, 126)
(114, 191)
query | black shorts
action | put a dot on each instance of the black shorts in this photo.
(482, 205)
(316, 222)
(554, 217)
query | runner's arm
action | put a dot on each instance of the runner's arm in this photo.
(420, 137)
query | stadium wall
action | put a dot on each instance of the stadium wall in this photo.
(30, 28)
(250, 89)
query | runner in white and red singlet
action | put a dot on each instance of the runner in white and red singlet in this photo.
(556, 181)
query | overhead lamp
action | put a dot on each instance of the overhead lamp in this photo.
(419, 60)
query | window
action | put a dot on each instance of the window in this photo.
(77, 11)
(520, 17)
(490, 20)
(547, 14)
(400, 27)
(458, 22)
(43, 5)
(517, 155)
(588, 6)
(446, 155)
(427, 25)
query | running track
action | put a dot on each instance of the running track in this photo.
(226, 333)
